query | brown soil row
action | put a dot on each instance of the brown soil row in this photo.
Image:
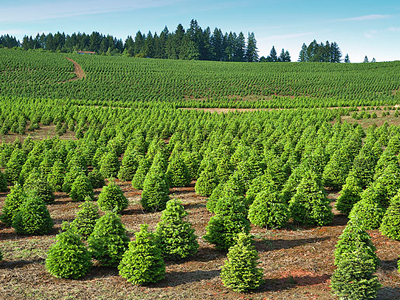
(77, 70)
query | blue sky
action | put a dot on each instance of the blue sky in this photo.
(360, 28)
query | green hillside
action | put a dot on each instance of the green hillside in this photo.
(35, 74)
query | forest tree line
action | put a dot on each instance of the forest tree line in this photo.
(193, 43)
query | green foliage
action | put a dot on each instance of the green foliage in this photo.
(350, 195)
(230, 219)
(368, 212)
(81, 188)
(68, 257)
(3, 182)
(142, 263)
(269, 210)
(129, 165)
(140, 175)
(108, 241)
(86, 218)
(240, 272)
(155, 191)
(33, 218)
(309, 205)
(14, 165)
(109, 165)
(207, 180)
(12, 204)
(39, 186)
(57, 175)
(353, 279)
(96, 179)
(354, 238)
(177, 172)
(175, 236)
(112, 198)
(390, 225)
(70, 177)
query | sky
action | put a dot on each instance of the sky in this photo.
(361, 28)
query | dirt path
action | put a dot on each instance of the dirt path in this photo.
(78, 71)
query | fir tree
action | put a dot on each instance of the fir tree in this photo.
(142, 263)
(86, 218)
(390, 225)
(56, 176)
(207, 180)
(96, 179)
(350, 195)
(269, 210)
(230, 219)
(37, 185)
(309, 205)
(353, 238)
(240, 272)
(155, 191)
(368, 212)
(108, 241)
(140, 175)
(112, 198)
(12, 204)
(81, 188)
(33, 217)
(175, 236)
(3, 182)
(353, 279)
(109, 165)
(177, 172)
(129, 165)
(68, 257)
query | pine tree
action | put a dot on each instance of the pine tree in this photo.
(142, 263)
(37, 185)
(177, 172)
(353, 238)
(368, 212)
(86, 218)
(140, 175)
(240, 272)
(68, 257)
(3, 182)
(109, 165)
(33, 217)
(112, 198)
(155, 191)
(129, 165)
(350, 195)
(353, 279)
(175, 236)
(14, 165)
(390, 225)
(230, 219)
(269, 210)
(207, 180)
(309, 205)
(96, 179)
(108, 241)
(81, 188)
(57, 176)
(70, 177)
(12, 204)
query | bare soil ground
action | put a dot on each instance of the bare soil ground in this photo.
(77, 70)
(297, 261)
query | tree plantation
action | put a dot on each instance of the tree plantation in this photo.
(173, 179)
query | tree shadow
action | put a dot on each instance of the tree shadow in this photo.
(173, 279)
(271, 245)
(15, 264)
(100, 272)
(207, 255)
(388, 293)
(388, 265)
(290, 282)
